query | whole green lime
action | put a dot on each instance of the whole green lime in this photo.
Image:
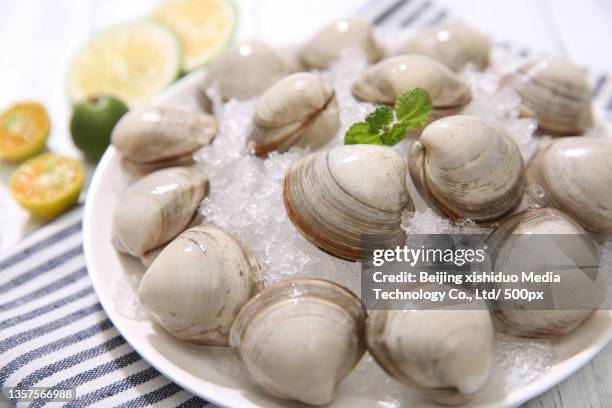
(92, 123)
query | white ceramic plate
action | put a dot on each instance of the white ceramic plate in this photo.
(196, 368)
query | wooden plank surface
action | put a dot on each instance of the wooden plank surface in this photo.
(591, 387)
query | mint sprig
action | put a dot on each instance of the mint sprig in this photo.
(385, 126)
(379, 118)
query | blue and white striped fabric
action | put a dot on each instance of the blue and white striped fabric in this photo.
(53, 331)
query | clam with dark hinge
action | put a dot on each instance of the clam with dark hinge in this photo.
(338, 198)
(299, 110)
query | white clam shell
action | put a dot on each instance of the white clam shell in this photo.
(299, 110)
(326, 45)
(445, 353)
(156, 208)
(198, 283)
(384, 82)
(468, 168)
(299, 338)
(574, 174)
(338, 197)
(556, 92)
(148, 257)
(243, 71)
(452, 44)
(581, 289)
(157, 136)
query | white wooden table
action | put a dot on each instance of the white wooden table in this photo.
(38, 37)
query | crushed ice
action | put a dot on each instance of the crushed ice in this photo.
(246, 199)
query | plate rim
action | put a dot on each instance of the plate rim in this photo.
(564, 369)
(88, 248)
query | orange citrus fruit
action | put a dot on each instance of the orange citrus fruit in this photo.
(48, 184)
(24, 128)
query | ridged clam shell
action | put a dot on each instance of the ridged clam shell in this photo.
(156, 208)
(156, 136)
(198, 283)
(299, 110)
(452, 44)
(574, 174)
(299, 338)
(468, 168)
(556, 92)
(447, 354)
(384, 82)
(243, 71)
(581, 288)
(325, 46)
(336, 198)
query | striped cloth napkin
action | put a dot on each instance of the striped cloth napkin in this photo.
(53, 330)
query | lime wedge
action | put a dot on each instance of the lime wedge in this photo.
(48, 184)
(204, 27)
(132, 62)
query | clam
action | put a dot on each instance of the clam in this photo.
(198, 283)
(452, 44)
(299, 110)
(556, 92)
(446, 353)
(243, 72)
(156, 208)
(336, 198)
(152, 137)
(544, 241)
(299, 338)
(291, 55)
(573, 174)
(468, 168)
(325, 47)
(148, 257)
(384, 82)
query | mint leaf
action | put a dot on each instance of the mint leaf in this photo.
(394, 135)
(379, 118)
(413, 108)
(385, 127)
(360, 133)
